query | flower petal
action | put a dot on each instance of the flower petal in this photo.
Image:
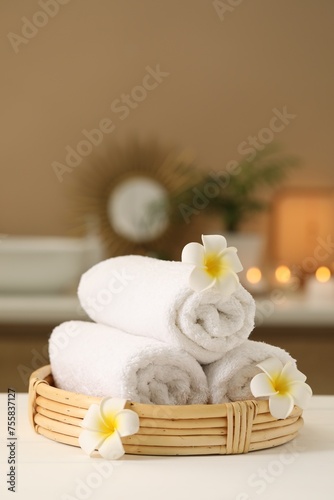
(193, 253)
(291, 372)
(91, 440)
(301, 393)
(232, 260)
(214, 243)
(281, 406)
(127, 422)
(272, 367)
(112, 447)
(261, 386)
(93, 420)
(109, 408)
(200, 280)
(228, 283)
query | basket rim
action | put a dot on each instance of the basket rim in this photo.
(41, 374)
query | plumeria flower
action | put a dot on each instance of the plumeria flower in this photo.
(215, 264)
(285, 386)
(104, 425)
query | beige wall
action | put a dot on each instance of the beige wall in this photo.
(225, 78)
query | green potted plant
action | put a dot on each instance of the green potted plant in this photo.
(236, 196)
(241, 198)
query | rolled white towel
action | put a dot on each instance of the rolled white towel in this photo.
(229, 378)
(150, 297)
(98, 360)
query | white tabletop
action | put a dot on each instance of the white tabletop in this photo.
(302, 469)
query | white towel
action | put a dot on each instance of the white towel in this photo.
(150, 297)
(98, 360)
(229, 378)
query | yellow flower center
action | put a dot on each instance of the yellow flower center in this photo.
(111, 429)
(108, 425)
(214, 265)
(281, 385)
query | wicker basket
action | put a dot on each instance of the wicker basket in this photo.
(165, 430)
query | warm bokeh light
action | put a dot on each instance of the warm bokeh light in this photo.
(323, 274)
(254, 275)
(283, 274)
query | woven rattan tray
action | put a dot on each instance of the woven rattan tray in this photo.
(216, 429)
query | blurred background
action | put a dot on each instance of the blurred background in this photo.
(135, 127)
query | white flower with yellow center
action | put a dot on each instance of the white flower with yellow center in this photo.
(104, 425)
(284, 385)
(215, 264)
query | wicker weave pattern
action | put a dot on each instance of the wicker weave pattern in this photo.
(240, 418)
(164, 430)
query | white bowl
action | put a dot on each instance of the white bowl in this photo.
(38, 264)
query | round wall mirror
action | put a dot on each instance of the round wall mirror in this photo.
(138, 209)
(130, 192)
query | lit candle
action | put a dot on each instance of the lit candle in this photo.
(255, 281)
(323, 274)
(283, 275)
(285, 280)
(321, 285)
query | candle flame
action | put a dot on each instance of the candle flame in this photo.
(254, 275)
(283, 274)
(323, 274)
